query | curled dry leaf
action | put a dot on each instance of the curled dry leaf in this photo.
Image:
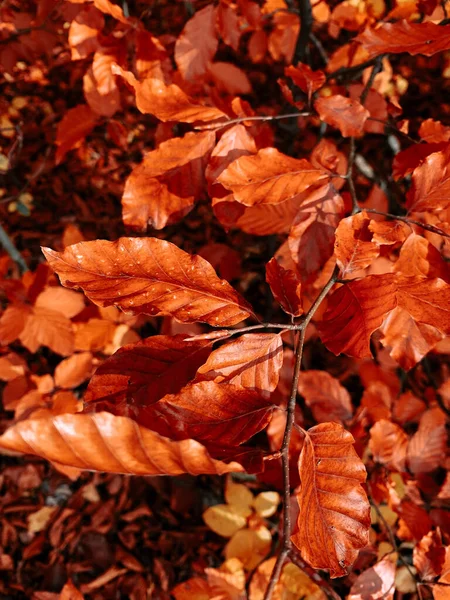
(165, 186)
(285, 287)
(376, 583)
(150, 276)
(252, 362)
(349, 116)
(104, 442)
(354, 312)
(414, 38)
(209, 412)
(142, 373)
(327, 398)
(334, 517)
(269, 177)
(353, 246)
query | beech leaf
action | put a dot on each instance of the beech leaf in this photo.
(375, 583)
(430, 188)
(388, 443)
(426, 449)
(150, 276)
(253, 362)
(77, 123)
(354, 312)
(285, 287)
(354, 248)
(104, 442)
(347, 115)
(327, 398)
(197, 44)
(334, 518)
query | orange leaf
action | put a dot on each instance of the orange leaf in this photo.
(167, 102)
(197, 44)
(388, 444)
(434, 132)
(420, 258)
(253, 362)
(413, 38)
(429, 556)
(164, 187)
(67, 302)
(150, 276)
(334, 518)
(376, 582)
(84, 30)
(427, 447)
(430, 188)
(70, 592)
(269, 177)
(230, 78)
(343, 113)
(305, 78)
(109, 8)
(354, 312)
(354, 248)
(388, 232)
(426, 300)
(327, 398)
(285, 287)
(76, 124)
(142, 373)
(73, 371)
(224, 414)
(104, 442)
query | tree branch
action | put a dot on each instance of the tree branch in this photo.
(426, 226)
(286, 540)
(306, 22)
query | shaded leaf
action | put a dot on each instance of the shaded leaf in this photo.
(150, 276)
(414, 38)
(77, 123)
(327, 398)
(285, 287)
(253, 362)
(349, 116)
(269, 177)
(305, 78)
(164, 187)
(334, 517)
(427, 446)
(389, 232)
(420, 258)
(429, 556)
(355, 311)
(426, 300)
(73, 371)
(376, 583)
(388, 443)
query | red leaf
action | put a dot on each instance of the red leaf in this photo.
(434, 132)
(354, 248)
(427, 447)
(269, 177)
(347, 115)
(105, 105)
(305, 78)
(334, 517)
(253, 362)
(414, 38)
(224, 414)
(354, 312)
(76, 124)
(431, 183)
(426, 300)
(327, 398)
(197, 44)
(142, 373)
(165, 186)
(407, 160)
(104, 442)
(429, 556)
(285, 287)
(150, 276)
(84, 30)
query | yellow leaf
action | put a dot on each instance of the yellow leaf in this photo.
(250, 546)
(38, 520)
(266, 503)
(238, 495)
(224, 519)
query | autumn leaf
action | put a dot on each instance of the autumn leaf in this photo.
(347, 115)
(305, 78)
(429, 556)
(104, 442)
(414, 38)
(426, 448)
(353, 247)
(165, 186)
(388, 444)
(376, 582)
(77, 123)
(269, 177)
(430, 188)
(334, 516)
(197, 44)
(355, 311)
(285, 287)
(426, 300)
(252, 362)
(149, 276)
(224, 414)
(327, 398)
(142, 373)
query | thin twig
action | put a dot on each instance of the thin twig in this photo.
(354, 70)
(284, 450)
(221, 124)
(8, 245)
(306, 22)
(426, 226)
(321, 50)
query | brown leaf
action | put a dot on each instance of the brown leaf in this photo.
(150, 276)
(327, 398)
(67, 302)
(105, 105)
(104, 442)
(429, 556)
(84, 30)
(349, 116)
(334, 517)
(376, 583)
(305, 78)
(354, 248)
(142, 373)
(355, 311)
(167, 102)
(388, 443)
(77, 123)
(197, 44)
(434, 131)
(427, 447)
(388, 232)
(165, 186)
(414, 38)
(71, 372)
(285, 287)
(253, 362)
(223, 414)
(269, 177)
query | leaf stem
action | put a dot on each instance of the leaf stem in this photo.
(216, 126)
(284, 450)
(425, 226)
